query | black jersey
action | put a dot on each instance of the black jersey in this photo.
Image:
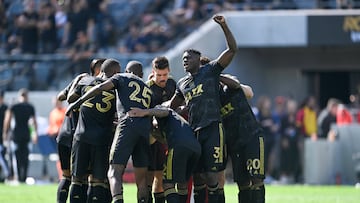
(238, 118)
(22, 113)
(3, 108)
(178, 132)
(161, 94)
(68, 126)
(95, 124)
(132, 92)
(201, 93)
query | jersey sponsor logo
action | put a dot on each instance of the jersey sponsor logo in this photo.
(194, 92)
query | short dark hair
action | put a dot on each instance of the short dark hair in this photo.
(108, 65)
(23, 92)
(193, 51)
(160, 62)
(94, 63)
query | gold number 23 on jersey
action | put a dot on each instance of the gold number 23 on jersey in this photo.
(105, 106)
(140, 95)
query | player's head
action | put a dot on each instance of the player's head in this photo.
(110, 67)
(160, 70)
(23, 94)
(204, 60)
(135, 67)
(95, 66)
(191, 60)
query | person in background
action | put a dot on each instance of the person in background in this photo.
(24, 115)
(306, 118)
(3, 165)
(289, 135)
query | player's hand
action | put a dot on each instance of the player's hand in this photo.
(137, 112)
(70, 109)
(219, 19)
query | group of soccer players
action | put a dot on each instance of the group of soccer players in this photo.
(170, 130)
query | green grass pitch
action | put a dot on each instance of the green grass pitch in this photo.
(274, 194)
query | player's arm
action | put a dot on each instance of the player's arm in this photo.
(247, 91)
(233, 83)
(34, 123)
(157, 112)
(226, 56)
(62, 95)
(176, 101)
(72, 95)
(6, 128)
(107, 85)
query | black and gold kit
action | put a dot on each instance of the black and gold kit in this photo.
(201, 94)
(162, 94)
(130, 138)
(159, 95)
(184, 149)
(94, 131)
(66, 134)
(244, 135)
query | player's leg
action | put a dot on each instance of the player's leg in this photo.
(213, 157)
(221, 180)
(98, 189)
(115, 180)
(258, 191)
(256, 168)
(157, 187)
(149, 182)
(191, 159)
(64, 183)
(199, 188)
(170, 175)
(140, 158)
(80, 159)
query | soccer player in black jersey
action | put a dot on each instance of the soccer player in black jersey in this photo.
(65, 136)
(130, 138)
(163, 88)
(245, 143)
(184, 150)
(200, 90)
(93, 137)
(135, 67)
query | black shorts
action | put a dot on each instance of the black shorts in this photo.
(180, 164)
(212, 141)
(64, 153)
(131, 139)
(157, 156)
(248, 160)
(89, 159)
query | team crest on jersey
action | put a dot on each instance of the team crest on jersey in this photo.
(226, 109)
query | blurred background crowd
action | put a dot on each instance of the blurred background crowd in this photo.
(42, 42)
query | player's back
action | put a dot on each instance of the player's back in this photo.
(96, 116)
(132, 91)
(238, 118)
(178, 132)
